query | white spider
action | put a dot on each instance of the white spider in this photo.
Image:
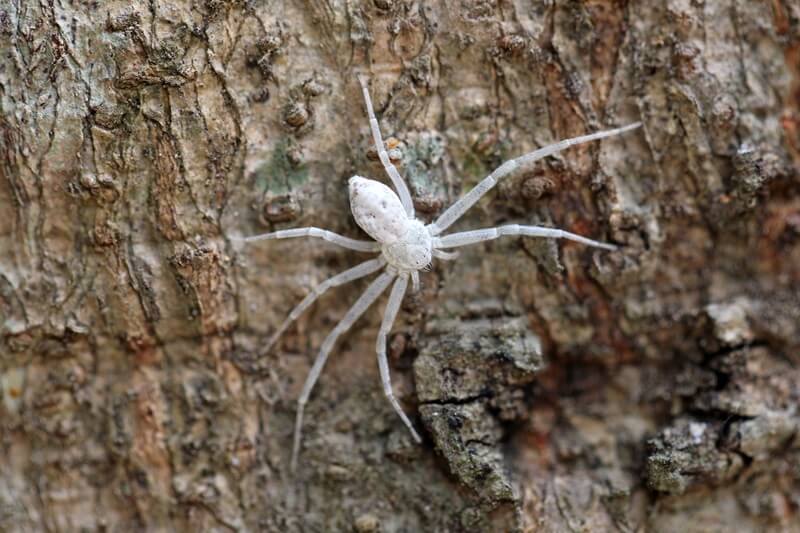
(406, 245)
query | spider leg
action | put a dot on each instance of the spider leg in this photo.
(393, 305)
(455, 211)
(364, 301)
(415, 281)
(359, 271)
(397, 180)
(445, 256)
(335, 238)
(454, 240)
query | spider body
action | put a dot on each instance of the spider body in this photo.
(405, 242)
(406, 245)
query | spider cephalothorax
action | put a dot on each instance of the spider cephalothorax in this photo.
(406, 246)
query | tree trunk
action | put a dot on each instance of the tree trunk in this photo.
(558, 387)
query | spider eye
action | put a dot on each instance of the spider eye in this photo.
(421, 257)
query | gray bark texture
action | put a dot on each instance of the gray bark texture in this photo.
(557, 387)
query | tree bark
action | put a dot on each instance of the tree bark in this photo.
(558, 387)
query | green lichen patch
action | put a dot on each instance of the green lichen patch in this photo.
(477, 358)
(282, 171)
(686, 454)
(470, 377)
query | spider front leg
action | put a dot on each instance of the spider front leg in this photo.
(389, 314)
(464, 238)
(397, 180)
(335, 238)
(362, 304)
(455, 211)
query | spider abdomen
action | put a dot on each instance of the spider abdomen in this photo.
(377, 210)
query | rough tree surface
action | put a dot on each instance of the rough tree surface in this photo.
(558, 387)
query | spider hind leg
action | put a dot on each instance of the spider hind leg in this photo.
(389, 314)
(366, 299)
(359, 271)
